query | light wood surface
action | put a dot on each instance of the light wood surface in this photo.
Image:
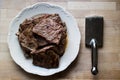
(109, 55)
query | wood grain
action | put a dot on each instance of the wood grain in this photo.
(92, 5)
(109, 55)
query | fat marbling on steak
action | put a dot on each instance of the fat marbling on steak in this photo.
(43, 38)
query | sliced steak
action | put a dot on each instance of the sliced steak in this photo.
(46, 57)
(43, 38)
(50, 28)
(29, 41)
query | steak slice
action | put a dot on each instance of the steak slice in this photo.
(50, 29)
(29, 41)
(46, 57)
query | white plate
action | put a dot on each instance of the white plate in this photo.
(73, 33)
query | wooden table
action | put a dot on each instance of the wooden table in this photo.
(109, 55)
